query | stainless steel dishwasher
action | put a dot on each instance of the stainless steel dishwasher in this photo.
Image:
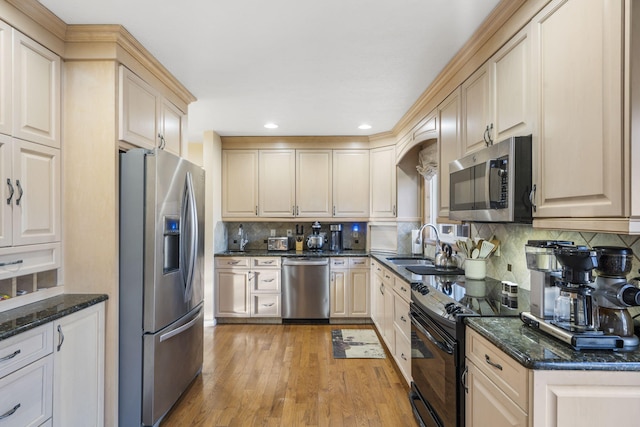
(305, 288)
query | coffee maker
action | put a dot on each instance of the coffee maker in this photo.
(544, 271)
(335, 237)
(575, 311)
(614, 294)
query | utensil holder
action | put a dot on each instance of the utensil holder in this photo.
(475, 268)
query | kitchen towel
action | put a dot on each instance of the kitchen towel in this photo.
(356, 344)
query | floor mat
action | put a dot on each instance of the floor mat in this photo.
(356, 344)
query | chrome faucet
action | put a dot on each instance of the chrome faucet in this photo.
(419, 239)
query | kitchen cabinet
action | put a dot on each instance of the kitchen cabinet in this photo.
(314, 184)
(36, 76)
(351, 183)
(78, 392)
(240, 183)
(147, 119)
(449, 116)
(277, 183)
(232, 292)
(383, 182)
(496, 99)
(6, 98)
(264, 280)
(579, 86)
(349, 287)
(377, 295)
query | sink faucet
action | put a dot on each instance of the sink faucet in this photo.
(419, 239)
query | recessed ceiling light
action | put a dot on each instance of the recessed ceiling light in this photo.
(364, 127)
(271, 126)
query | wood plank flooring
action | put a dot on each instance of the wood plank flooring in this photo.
(285, 375)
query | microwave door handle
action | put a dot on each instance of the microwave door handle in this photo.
(487, 187)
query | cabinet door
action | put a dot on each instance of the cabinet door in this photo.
(383, 182)
(172, 126)
(351, 183)
(476, 105)
(36, 202)
(338, 293)
(487, 405)
(36, 92)
(359, 289)
(78, 374)
(277, 183)
(511, 87)
(138, 110)
(580, 156)
(239, 183)
(6, 64)
(377, 298)
(6, 175)
(313, 183)
(389, 334)
(232, 293)
(448, 147)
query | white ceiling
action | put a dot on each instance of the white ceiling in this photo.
(318, 67)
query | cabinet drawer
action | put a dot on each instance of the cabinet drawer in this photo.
(403, 289)
(265, 305)
(401, 316)
(29, 259)
(26, 397)
(266, 262)
(265, 280)
(342, 262)
(228, 262)
(403, 353)
(27, 347)
(511, 377)
(359, 262)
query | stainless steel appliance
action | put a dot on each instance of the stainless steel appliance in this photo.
(493, 184)
(317, 239)
(280, 243)
(305, 289)
(439, 305)
(161, 282)
(544, 271)
(335, 237)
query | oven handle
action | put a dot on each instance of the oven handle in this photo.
(440, 344)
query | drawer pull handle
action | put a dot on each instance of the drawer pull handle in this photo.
(404, 319)
(358, 262)
(494, 364)
(4, 264)
(268, 280)
(268, 262)
(403, 289)
(269, 305)
(60, 337)
(232, 262)
(10, 412)
(403, 356)
(11, 356)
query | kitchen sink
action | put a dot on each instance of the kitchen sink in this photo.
(410, 261)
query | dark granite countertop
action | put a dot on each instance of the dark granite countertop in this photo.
(250, 253)
(21, 319)
(535, 350)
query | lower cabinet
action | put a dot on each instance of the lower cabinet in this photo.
(349, 287)
(54, 374)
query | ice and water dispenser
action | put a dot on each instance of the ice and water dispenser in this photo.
(171, 244)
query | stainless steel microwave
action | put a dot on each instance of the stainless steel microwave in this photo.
(493, 184)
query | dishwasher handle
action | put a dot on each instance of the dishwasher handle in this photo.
(305, 261)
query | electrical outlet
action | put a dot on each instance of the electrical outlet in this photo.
(273, 232)
(508, 267)
(289, 233)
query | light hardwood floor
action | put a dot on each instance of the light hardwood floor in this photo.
(285, 375)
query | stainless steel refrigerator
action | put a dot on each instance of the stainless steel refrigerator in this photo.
(161, 282)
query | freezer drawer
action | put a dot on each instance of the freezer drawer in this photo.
(172, 359)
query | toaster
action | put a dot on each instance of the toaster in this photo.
(279, 243)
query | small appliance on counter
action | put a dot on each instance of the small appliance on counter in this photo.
(317, 239)
(335, 237)
(576, 313)
(280, 243)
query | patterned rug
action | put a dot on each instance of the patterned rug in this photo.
(356, 344)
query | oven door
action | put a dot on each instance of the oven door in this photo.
(433, 368)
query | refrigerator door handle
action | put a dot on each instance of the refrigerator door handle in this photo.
(179, 330)
(190, 219)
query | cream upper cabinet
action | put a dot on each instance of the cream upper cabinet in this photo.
(6, 99)
(383, 182)
(350, 183)
(239, 183)
(496, 99)
(277, 182)
(314, 183)
(173, 125)
(138, 110)
(448, 147)
(578, 67)
(36, 92)
(476, 110)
